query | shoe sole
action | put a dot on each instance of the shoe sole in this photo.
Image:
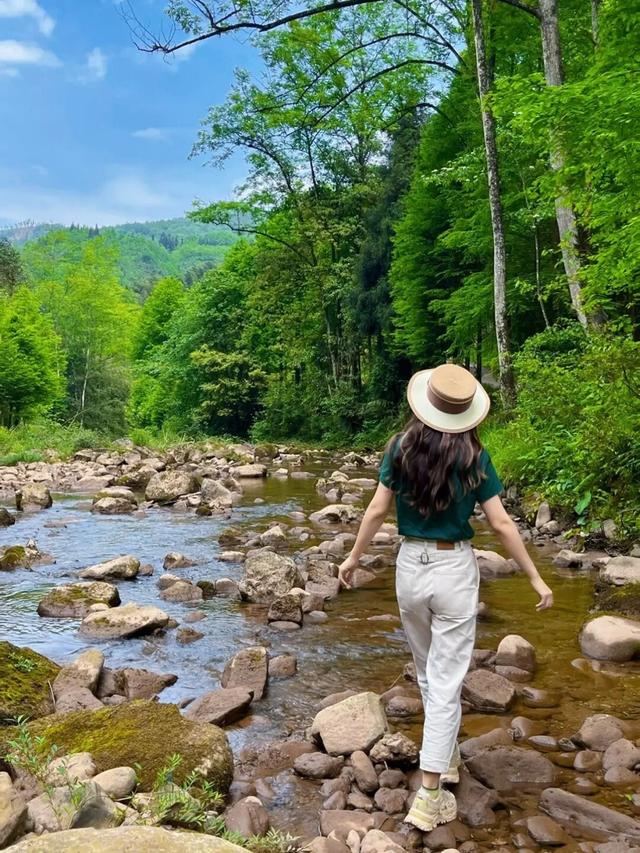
(445, 816)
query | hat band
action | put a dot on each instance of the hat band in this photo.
(449, 407)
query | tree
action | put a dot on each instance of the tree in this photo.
(11, 271)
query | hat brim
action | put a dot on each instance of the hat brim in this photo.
(426, 412)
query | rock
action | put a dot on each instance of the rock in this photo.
(391, 800)
(113, 506)
(620, 777)
(117, 783)
(620, 571)
(78, 767)
(567, 559)
(222, 706)
(496, 737)
(621, 753)
(247, 669)
(599, 731)
(129, 620)
(588, 816)
(376, 841)
(361, 577)
(283, 666)
(274, 537)
(228, 588)
(250, 472)
(329, 588)
(587, 761)
(166, 580)
(33, 496)
(508, 768)
(182, 591)
(543, 516)
(121, 568)
(215, 492)
(327, 845)
(286, 608)
(166, 487)
(84, 671)
(51, 812)
(611, 638)
(365, 775)
(486, 691)
(143, 733)
(267, 576)
(546, 832)
(25, 677)
(186, 636)
(72, 601)
(280, 625)
(143, 684)
(342, 822)
(535, 698)
(13, 812)
(475, 801)
(14, 557)
(231, 557)
(336, 514)
(248, 817)
(355, 723)
(609, 529)
(493, 565)
(334, 698)
(515, 651)
(404, 706)
(176, 560)
(317, 765)
(77, 699)
(129, 838)
(512, 673)
(6, 520)
(395, 748)
(392, 778)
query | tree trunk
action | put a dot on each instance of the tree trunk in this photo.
(536, 248)
(507, 382)
(565, 216)
(85, 382)
(595, 11)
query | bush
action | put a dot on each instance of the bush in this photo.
(29, 442)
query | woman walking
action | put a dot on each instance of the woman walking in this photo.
(438, 470)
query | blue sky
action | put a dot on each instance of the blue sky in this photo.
(94, 132)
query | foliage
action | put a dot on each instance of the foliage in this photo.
(11, 271)
(32, 441)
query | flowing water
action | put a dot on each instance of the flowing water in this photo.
(348, 651)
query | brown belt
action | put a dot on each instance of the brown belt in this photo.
(441, 545)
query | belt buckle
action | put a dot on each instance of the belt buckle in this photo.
(424, 557)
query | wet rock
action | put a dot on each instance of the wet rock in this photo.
(355, 723)
(546, 832)
(165, 487)
(6, 520)
(129, 620)
(546, 743)
(281, 625)
(611, 638)
(176, 560)
(486, 691)
(286, 608)
(72, 601)
(13, 812)
(342, 822)
(496, 737)
(33, 496)
(493, 565)
(248, 817)
(214, 492)
(441, 838)
(515, 651)
(395, 748)
(231, 557)
(195, 616)
(621, 753)
(620, 777)
(599, 731)
(186, 636)
(336, 514)
(329, 588)
(268, 576)
(535, 698)
(587, 761)
(317, 765)
(588, 816)
(512, 673)
(114, 506)
(143, 684)
(475, 801)
(222, 706)
(391, 800)
(182, 591)
(227, 587)
(334, 698)
(283, 666)
(508, 768)
(117, 783)
(567, 559)
(247, 669)
(364, 772)
(361, 577)
(274, 537)
(522, 728)
(166, 580)
(120, 568)
(404, 706)
(14, 557)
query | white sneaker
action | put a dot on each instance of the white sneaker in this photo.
(428, 812)
(452, 776)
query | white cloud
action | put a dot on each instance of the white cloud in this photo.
(30, 9)
(14, 53)
(96, 66)
(156, 134)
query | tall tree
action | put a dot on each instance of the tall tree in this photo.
(11, 270)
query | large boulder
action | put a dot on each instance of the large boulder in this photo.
(621, 571)
(492, 565)
(130, 620)
(25, 679)
(611, 638)
(221, 707)
(267, 576)
(33, 496)
(125, 838)
(512, 768)
(125, 567)
(73, 601)
(113, 506)
(514, 650)
(475, 801)
(166, 487)
(487, 691)
(215, 493)
(356, 723)
(254, 471)
(336, 514)
(578, 812)
(143, 734)
(248, 669)
(143, 684)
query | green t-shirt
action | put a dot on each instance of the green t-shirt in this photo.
(451, 524)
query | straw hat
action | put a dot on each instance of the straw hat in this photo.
(448, 398)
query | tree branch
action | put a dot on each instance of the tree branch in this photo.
(524, 7)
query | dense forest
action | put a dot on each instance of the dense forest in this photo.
(428, 181)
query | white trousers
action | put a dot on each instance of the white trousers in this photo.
(438, 597)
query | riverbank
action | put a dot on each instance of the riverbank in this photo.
(220, 528)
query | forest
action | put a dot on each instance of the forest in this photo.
(428, 182)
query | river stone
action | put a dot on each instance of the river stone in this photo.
(13, 812)
(486, 691)
(391, 800)
(248, 817)
(247, 669)
(336, 514)
(546, 831)
(515, 651)
(492, 565)
(317, 765)
(222, 706)
(113, 506)
(543, 515)
(25, 678)
(611, 638)
(620, 571)
(475, 801)
(286, 608)
(166, 487)
(14, 557)
(227, 587)
(274, 537)
(621, 753)
(117, 783)
(129, 620)
(496, 737)
(599, 731)
(587, 761)
(376, 841)
(283, 666)
(213, 491)
(268, 576)
(341, 822)
(6, 520)
(84, 671)
(182, 591)
(72, 601)
(33, 496)
(77, 767)
(134, 838)
(167, 579)
(77, 699)
(186, 636)
(144, 733)
(355, 723)
(365, 774)
(395, 748)
(143, 684)
(176, 560)
(567, 559)
(121, 568)
(509, 768)
(253, 471)
(588, 816)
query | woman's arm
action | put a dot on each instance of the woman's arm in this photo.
(375, 514)
(509, 534)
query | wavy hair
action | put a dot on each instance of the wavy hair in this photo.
(433, 466)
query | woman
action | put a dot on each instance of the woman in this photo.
(438, 470)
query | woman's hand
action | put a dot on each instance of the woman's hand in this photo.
(546, 596)
(345, 571)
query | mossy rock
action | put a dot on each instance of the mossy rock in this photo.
(72, 601)
(25, 677)
(14, 557)
(142, 733)
(624, 600)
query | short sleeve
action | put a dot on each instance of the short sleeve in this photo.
(491, 485)
(385, 475)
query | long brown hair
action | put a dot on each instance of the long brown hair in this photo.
(432, 466)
